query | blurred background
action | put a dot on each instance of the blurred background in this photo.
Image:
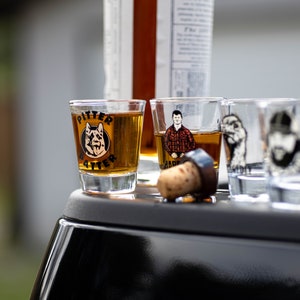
(51, 52)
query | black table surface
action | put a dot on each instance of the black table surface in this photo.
(144, 209)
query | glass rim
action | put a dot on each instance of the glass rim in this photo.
(259, 99)
(93, 102)
(185, 99)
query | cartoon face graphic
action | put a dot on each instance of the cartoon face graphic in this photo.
(95, 142)
(282, 139)
(177, 118)
(233, 129)
(235, 136)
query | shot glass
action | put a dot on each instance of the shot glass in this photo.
(107, 137)
(184, 124)
(243, 150)
(280, 123)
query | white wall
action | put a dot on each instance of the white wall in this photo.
(60, 58)
(256, 48)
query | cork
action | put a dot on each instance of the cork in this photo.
(194, 175)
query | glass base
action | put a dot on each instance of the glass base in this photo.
(248, 188)
(148, 170)
(285, 189)
(92, 184)
(242, 198)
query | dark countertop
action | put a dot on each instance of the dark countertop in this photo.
(145, 210)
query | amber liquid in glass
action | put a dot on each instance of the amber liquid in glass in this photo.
(208, 141)
(121, 138)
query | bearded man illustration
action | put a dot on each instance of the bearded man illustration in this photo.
(284, 143)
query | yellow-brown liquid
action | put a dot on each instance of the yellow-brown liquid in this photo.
(208, 141)
(124, 132)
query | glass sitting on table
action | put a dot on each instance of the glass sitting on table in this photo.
(185, 124)
(107, 137)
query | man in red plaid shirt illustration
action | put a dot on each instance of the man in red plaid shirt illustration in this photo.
(178, 139)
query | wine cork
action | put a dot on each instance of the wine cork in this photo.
(178, 181)
(194, 175)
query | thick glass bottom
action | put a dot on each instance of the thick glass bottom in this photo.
(285, 190)
(92, 184)
(248, 188)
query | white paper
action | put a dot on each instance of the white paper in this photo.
(183, 53)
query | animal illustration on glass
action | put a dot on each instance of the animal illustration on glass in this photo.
(235, 136)
(94, 140)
